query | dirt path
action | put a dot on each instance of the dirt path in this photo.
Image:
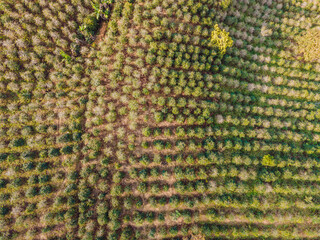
(101, 33)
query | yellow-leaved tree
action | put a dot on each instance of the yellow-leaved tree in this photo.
(225, 4)
(220, 39)
(309, 44)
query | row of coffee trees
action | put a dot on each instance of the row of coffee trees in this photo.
(188, 118)
(44, 79)
(202, 137)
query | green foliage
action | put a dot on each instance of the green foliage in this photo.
(3, 183)
(65, 138)
(146, 132)
(67, 150)
(117, 177)
(42, 166)
(98, 8)
(127, 233)
(65, 56)
(4, 210)
(269, 176)
(31, 192)
(142, 187)
(45, 190)
(158, 116)
(89, 26)
(54, 152)
(18, 142)
(84, 193)
(28, 155)
(155, 125)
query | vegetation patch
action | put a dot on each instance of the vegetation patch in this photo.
(220, 40)
(309, 44)
(92, 22)
(189, 120)
(268, 160)
(225, 4)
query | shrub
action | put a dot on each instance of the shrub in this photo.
(44, 178)
(84, 193)
(42, 166)
(18, 142)
(116, 190)
(89, 26)
(44, 190)
(146, 131)
(4, 210)
(158, 116)
(54, 152)
(28, 155)
(3, 156)
(31, 192)
(127, 233)
(67, 150)
(142, 187)
(65, 56)
(17, 182)
(3, 183)
(65, 138)
(117, 177)
(225, 4)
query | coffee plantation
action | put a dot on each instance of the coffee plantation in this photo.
(159, 119)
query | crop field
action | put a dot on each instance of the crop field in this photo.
(159, 119)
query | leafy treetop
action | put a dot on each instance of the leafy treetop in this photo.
(225, 4)
(220, 39)
(268, 161)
